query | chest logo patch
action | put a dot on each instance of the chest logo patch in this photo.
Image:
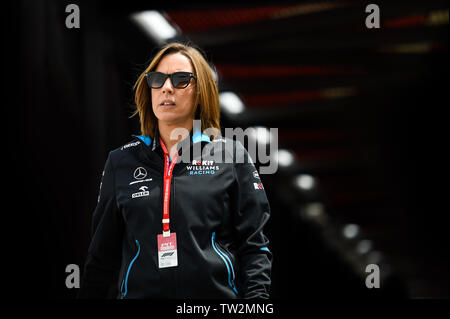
(206, 167)
(143, 192)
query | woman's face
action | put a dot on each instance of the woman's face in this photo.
(181, 111)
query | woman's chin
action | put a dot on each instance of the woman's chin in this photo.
(172, 119)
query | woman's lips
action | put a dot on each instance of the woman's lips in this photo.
(167, 107)
(167, 103)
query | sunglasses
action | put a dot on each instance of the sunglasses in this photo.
(180, 80)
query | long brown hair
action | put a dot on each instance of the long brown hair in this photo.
(206, 97)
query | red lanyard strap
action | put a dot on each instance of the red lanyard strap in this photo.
(168, 169)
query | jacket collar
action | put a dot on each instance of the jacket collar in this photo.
(196, 137)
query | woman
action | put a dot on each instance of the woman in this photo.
(165, 228)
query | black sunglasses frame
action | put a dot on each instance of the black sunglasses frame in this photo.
(171, 76)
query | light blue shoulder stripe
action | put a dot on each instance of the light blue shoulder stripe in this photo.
(147, 140)
(196, 137)
(200, 137)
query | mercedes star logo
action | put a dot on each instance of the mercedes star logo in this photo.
(140, 173)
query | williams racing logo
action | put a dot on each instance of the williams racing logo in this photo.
(206, 167)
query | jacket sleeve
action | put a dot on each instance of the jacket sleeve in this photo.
(252, 213)
(104, 254)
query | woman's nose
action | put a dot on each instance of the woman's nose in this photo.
(167, 87)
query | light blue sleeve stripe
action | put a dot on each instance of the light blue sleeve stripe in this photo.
(220, 255)
(228, 258)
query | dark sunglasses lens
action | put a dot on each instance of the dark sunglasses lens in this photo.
(156, 80)
(180, 80)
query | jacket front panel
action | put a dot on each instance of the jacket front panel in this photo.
(199, 203)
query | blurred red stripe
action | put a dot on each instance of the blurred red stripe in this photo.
(279, 98)
(200, 20)
(409, 21)
(402, 22)
(250, 71)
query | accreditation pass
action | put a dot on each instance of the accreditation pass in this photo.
(167, 251)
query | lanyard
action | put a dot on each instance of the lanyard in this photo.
(168, 169)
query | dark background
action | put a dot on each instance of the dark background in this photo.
(372, 147)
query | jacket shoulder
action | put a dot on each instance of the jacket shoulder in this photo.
(234, 151)
(128, 149)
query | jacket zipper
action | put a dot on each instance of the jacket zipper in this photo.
(227, 261)
(125, 280)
